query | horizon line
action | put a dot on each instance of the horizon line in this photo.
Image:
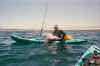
(51, 28)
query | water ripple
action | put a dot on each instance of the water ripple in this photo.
(18, 54)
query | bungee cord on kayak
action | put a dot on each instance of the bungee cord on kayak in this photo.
(90, 58)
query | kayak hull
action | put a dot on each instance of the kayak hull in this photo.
(86, 54)
(40, 41)
(25, 40)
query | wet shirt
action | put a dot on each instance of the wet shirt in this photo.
(59, 33)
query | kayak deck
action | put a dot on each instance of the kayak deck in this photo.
(86, 54)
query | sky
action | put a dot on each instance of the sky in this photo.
(29, 13)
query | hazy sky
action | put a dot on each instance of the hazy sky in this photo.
(29, 13)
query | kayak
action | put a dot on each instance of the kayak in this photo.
(18, 38)
(86, 54)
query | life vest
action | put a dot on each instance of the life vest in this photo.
(68, 37)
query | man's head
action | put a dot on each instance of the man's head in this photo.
(56, 27)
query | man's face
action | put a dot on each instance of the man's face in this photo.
(55, 28)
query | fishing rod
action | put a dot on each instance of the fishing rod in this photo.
(44, 19)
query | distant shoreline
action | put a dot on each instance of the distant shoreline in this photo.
(50, 28)
(44, 30)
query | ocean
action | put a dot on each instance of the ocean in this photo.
(20, 54)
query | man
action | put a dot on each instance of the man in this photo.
(59, 33)
(58, 36)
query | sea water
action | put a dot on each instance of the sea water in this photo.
(22, 54)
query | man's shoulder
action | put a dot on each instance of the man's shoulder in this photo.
(61, 30)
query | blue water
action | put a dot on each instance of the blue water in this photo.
(19, 54)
